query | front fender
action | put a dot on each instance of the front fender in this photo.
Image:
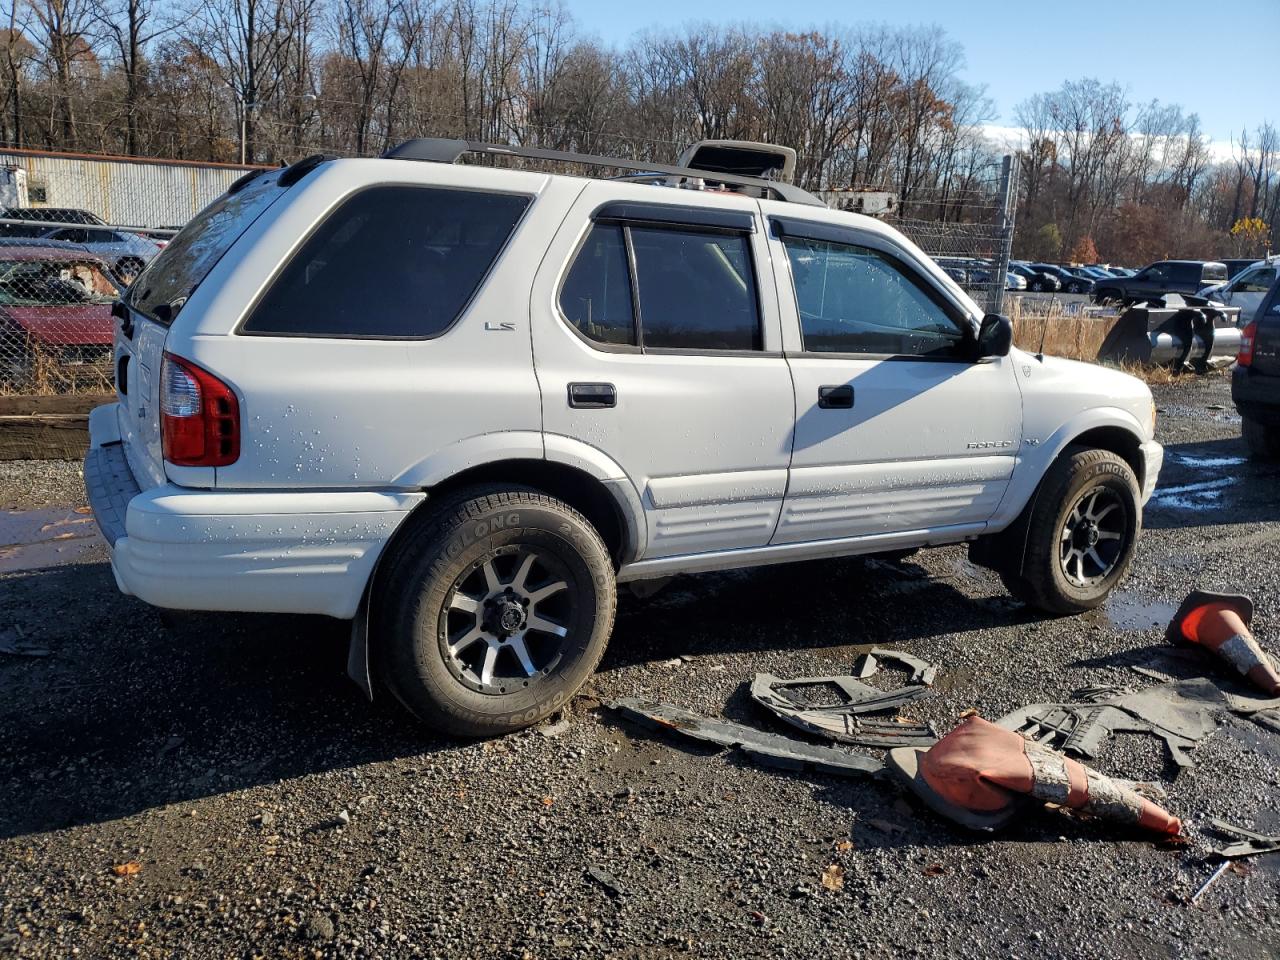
(1034, 460)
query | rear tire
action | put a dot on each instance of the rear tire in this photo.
(1081, 533)
(1262, 439)
(493, 611)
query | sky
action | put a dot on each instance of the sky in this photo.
(1216, 60)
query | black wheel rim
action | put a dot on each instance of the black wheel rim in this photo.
(1094, 536)
(507, 620)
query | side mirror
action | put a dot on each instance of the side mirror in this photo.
(995, 336)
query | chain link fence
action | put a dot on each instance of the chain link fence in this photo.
(74, 231)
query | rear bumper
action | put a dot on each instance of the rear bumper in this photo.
(1153, 460)
(1256, 396)
(268, 552)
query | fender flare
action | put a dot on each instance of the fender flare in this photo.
(1032, 466)
(494, 448)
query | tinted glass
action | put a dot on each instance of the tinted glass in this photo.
(596, 296)
(389, 262)
(854, 299)
(174, 275)
(697, 290)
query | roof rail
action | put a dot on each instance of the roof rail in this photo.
(443, 150)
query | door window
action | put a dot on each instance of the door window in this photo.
(596, 296)
(854, 299)
(697, 290)
(1256, 281)
(693, 289)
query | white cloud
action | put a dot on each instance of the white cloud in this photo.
(1011, 139)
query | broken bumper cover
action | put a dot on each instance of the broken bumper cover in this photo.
(253, 551)
(1153, 459)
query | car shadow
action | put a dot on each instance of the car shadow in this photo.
(819, 604)
(136, 708)
(1212, 483)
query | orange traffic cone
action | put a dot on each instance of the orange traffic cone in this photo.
(978, 773)
(1220, 622)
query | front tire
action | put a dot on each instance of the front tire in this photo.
(1262, 439)
(1081, 533)
(494, 611)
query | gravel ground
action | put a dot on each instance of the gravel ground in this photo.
(273, 812)
(33, 484)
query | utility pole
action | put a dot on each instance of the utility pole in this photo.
(1008, 207)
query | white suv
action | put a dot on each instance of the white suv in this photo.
(458, 404)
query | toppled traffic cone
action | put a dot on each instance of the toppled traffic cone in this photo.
(979, 774)
(1220, 622)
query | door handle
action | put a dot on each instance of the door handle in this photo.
(592, 396)
(836, 397)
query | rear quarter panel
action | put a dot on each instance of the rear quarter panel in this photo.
(344, 413)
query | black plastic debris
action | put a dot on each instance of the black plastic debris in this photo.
(844, 721)
(1180, 713)
(766, 748)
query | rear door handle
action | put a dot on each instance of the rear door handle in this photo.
(592, 396)
(836, 397)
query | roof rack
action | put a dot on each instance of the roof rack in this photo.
(444, 150)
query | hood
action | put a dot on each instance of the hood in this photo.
(1071, 386)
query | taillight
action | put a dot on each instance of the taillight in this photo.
(199, 416)
(1247, 336)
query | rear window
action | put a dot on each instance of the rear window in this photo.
(182, 265)
(390, 262)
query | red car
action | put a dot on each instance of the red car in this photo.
(55, 306)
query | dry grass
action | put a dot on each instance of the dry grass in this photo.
(37, 370)
(1074, 335)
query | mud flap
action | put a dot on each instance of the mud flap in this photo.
(358, 648)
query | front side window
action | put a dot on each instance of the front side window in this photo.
(854, 299)
(1259, 281)
(391, 261)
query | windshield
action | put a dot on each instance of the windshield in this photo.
(34, 283)
(173, 276)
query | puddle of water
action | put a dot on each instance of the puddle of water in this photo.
(1127, 612)
(31, 539)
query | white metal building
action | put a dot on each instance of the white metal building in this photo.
(127, 191)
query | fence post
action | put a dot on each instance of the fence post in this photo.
(1008, 207)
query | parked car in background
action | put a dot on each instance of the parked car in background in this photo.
(55, 306)
(1013, 281)
(1246, 289)
(36, 218)
(127, 252)
(1235, 264)
(1165, 276)
(1071, 283)
(1037, 281)
(1255, 380)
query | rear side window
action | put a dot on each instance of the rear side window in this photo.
(182, 265)
(390, 262)
(596, 296)
(696, 288)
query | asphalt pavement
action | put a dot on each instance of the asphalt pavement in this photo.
(211, 785)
